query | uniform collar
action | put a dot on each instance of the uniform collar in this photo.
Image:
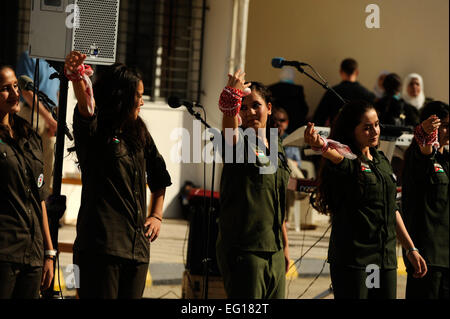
(375, 156)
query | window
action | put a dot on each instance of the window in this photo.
(164, 39)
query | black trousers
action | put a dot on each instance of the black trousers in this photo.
(434, 285)
(109, 277)
(19, 281)
(349, 283)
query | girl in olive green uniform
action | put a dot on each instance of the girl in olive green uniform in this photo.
(252, 242)
(26, 251)
(425, 202)
(357, 187)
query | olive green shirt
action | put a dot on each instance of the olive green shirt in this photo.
(363, 205)
(113, 198)
(252, 204)
(425, 204)
(21, 194)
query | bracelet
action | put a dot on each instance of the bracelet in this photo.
(78, 74)
(50, 252)
(423, 138)
(51, 257)
(324, 147)
(230, 101)
(159, 218)
(411, 250)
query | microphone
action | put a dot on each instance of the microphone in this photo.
(175, 102)
(26, 83)
(280, 62)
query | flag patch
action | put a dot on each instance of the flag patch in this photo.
(438, 168)
(365, 168)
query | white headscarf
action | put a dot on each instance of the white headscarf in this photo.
(417, 101)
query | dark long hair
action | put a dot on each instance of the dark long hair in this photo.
(20, 127)
(114, 91)
(343, 131)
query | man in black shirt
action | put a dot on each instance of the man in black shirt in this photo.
(348, 89)
(290, 96)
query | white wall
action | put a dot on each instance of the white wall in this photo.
(161, 120)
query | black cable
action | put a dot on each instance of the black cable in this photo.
(321, 237)
(37, 90)
(170, 291)
(59, 277)
(34, 94)
(303, 244)
(314, 280)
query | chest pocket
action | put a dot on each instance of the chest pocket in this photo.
(439, 181)
(371, 190)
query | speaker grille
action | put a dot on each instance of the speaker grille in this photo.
(98, 28)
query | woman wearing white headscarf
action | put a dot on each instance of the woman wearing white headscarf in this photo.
(413, 92)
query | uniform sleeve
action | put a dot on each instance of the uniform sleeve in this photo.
(157, 175)
(343, 169)
(84, 130)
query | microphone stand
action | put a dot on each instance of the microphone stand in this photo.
(206, 260)
(324, 85)
(56, 203)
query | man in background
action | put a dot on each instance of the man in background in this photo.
(349, 89)
(290, 96)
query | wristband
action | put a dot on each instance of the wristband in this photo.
(79, 73)
(50, 252)
(230, 101)
(411, 250)
(324, 147)
(159, 218)
(423, 138)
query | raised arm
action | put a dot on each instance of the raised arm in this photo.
(72, 64)
(428, 128)
(230, 121)
(313, 139)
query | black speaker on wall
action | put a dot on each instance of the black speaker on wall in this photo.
(198, 233)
